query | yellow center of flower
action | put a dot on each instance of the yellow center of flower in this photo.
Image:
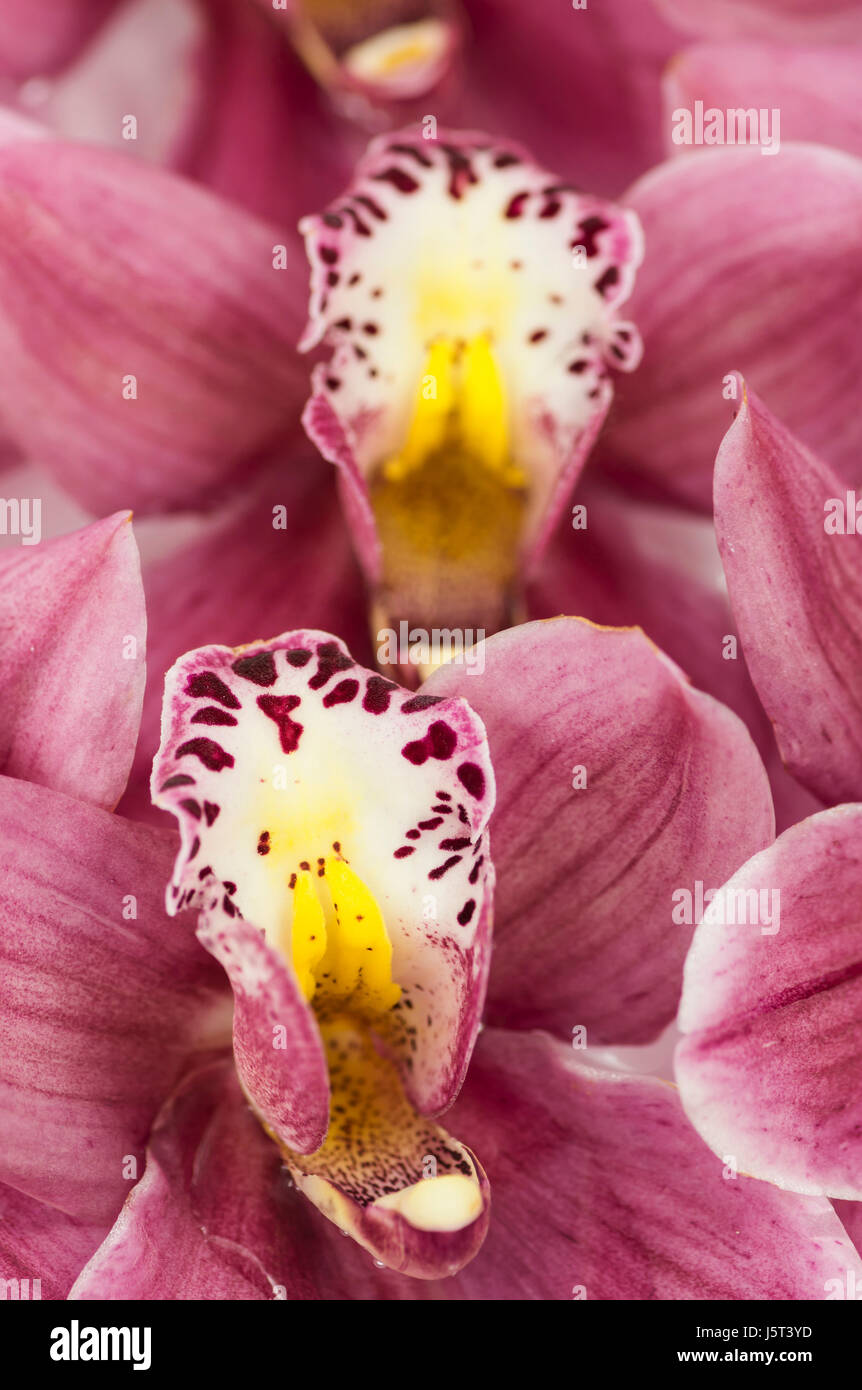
(449, 506)
(461, 404)
(340, 948)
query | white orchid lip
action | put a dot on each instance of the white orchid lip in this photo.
(469, 301)
(346, 819)
(316, 791)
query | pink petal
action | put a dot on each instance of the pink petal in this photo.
(580, 88)
(639, 564)
(771, 1069)
(103, 998)
(720, 288)
(796, 591)
(829, 21)
(636, 564)
(256, 94)
(277, 1047)
(72, 684)
(149, 285)
(216, 1211)
(142, 62)
(850, 1214)
(584, 934)
(813, 89)
(42, 1246)
(277, 557)
(163, 1245)
(602, 1190)
(35, 41)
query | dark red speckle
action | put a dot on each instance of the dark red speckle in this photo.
(211, 754)
(259, 668)
(472, 779)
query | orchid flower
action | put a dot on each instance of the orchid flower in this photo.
(299, 781)
(247, 1098)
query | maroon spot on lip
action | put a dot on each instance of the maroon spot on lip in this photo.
(413, 152)
(211, 754)
(211, 714)
(330, 660)
(505, 160)
(515, 206)
(179, 779)
(537, 335)
(259, 668)
(461, 172)
(431, 824)
(474, 872)
(278, 708)
(211, 812)
(378, 694)
(331, 219)
(420, 702)
(373, 207)
(467, 912)
(299, 656)
(590, 228)
(443, 740)
(342, 693)
(206, 685)
(403, 852)
(605, 281)
(472, 779)
(461, 842)
(328, 255)
(412, 835)
(415, 752)
(192, 806)
(399, 178)
(439, 742)
(445, 867)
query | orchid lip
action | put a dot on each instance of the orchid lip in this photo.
(334, 832)
(469, 301)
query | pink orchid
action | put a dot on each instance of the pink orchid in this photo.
(369, 772)
(506, 447)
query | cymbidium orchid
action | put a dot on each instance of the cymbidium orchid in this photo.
(376, 998)
(300, 781)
